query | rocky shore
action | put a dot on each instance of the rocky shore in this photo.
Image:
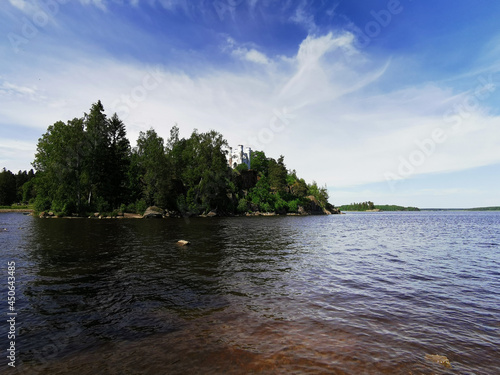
(154, 212)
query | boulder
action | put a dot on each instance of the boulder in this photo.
(212, 213)
(302, 211)
(314, 206)
(172, 214)
(439, 359)
(153, 212)
(183, 243)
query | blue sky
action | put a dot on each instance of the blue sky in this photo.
(390, 101)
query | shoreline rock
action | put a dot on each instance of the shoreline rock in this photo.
(154, 212)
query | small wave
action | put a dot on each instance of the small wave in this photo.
(488, 244)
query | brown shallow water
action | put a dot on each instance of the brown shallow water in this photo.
(236, 344)
(351, 294)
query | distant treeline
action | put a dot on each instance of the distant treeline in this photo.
(16, 188)
(484, 209)
(87, 164)
(366, 206)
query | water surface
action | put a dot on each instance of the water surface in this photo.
(370, 293)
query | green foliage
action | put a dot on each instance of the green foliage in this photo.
(16, 188)
(280, 205)
(83, 162)
(87, 165)
(293, 206)
(42, 203)
(102, 205)
(364, 206)
(259, 162)
(7, 188)
(141, 206)
(387, 207)
(242, 205)
(278, 175)
(204, 171)
(493, 208)
(151, 167)
(241, 167)
(266, 207)
(320, 193)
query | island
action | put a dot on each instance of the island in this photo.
(85, 167)
(369, 206)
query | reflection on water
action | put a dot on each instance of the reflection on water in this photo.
(351, 294)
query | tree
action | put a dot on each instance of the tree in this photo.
(7, 188)
(151, 162)
(320, 193)
(118, 162)
(59, 162)
(97, 166)
(259, 162)
(82, 165)
(206, 175)
(87, 164)
(278, 175)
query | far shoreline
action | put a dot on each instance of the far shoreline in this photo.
(20, 210)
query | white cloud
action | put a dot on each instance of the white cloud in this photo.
(11, 89)
(244, 52)
(256, 56)
(331, 117)
(304, 18)
(251, 55)
(15, 154)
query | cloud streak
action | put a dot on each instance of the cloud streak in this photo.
(348, 125)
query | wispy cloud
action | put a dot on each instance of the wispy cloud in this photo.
(352, 129)
(24, 92)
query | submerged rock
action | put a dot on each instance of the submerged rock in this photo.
(439, 359)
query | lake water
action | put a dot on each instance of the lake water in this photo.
(362, 293)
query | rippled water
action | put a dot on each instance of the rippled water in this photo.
(366, 293)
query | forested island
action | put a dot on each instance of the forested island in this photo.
(87, 165)
(494, 208)
(370, 206)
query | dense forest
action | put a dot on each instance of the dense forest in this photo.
(15, 188)
(87, 164)
(365, 206)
